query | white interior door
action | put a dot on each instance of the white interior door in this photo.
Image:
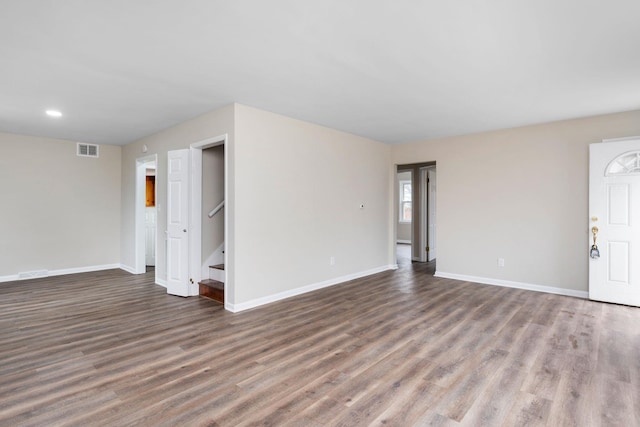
(431, 212)
(178, 223)
(614, 209)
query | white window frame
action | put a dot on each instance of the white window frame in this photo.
(401, 200)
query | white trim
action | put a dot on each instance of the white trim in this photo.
(210, 142)
(128, 269)
(424, 212)
(626, 138)
(195, 222)
(404, 242)
(49, 273)
(161, 282)
(304, 289)
(516, 285)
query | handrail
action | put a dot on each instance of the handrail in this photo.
(216, 209)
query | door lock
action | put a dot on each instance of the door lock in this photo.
(594, 252)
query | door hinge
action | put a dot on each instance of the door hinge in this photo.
(426, 248)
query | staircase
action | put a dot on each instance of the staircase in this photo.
(213, 287)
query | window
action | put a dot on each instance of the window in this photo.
(405, 201)
(626, 164)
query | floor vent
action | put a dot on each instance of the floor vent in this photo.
(33, 274)
(87, 150)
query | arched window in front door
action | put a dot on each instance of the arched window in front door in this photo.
(626, 164)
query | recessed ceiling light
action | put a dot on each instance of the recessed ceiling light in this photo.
(54, 113)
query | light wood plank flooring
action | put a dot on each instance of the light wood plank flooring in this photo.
(399, 348)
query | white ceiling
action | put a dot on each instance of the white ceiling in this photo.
(394, 71)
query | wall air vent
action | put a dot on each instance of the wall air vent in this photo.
(87, 150)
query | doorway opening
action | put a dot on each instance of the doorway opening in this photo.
(416, 213)
(188, 207)
(208, 258)
(404, 234)
(146, 225)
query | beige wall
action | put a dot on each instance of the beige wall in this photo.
(293, 201)
(520, 194)
(298, 190)
(404, 229)
(59, 211)
(209, 125)
(294, 190)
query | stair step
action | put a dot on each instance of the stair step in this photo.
(212, 289)
(217, 266)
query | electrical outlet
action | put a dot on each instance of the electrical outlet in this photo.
(500, 262)
(332, 260)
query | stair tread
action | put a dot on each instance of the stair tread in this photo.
(212, 289)
(212, 284)
(217, 266)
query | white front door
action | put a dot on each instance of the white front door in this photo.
(178, 223)
(431, 211)
(614, 217)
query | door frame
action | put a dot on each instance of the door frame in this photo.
(139, 227)
(430, 213)
(424, 213)
(601, 155)
(195, 243)
(417, 170)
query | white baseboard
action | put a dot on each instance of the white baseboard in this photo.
(404, 242)
(61, 272)
(516, 285)
(132, 270)
(128, 269)
(10, 278)
(304, 289)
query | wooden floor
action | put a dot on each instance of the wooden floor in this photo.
(399, 348)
